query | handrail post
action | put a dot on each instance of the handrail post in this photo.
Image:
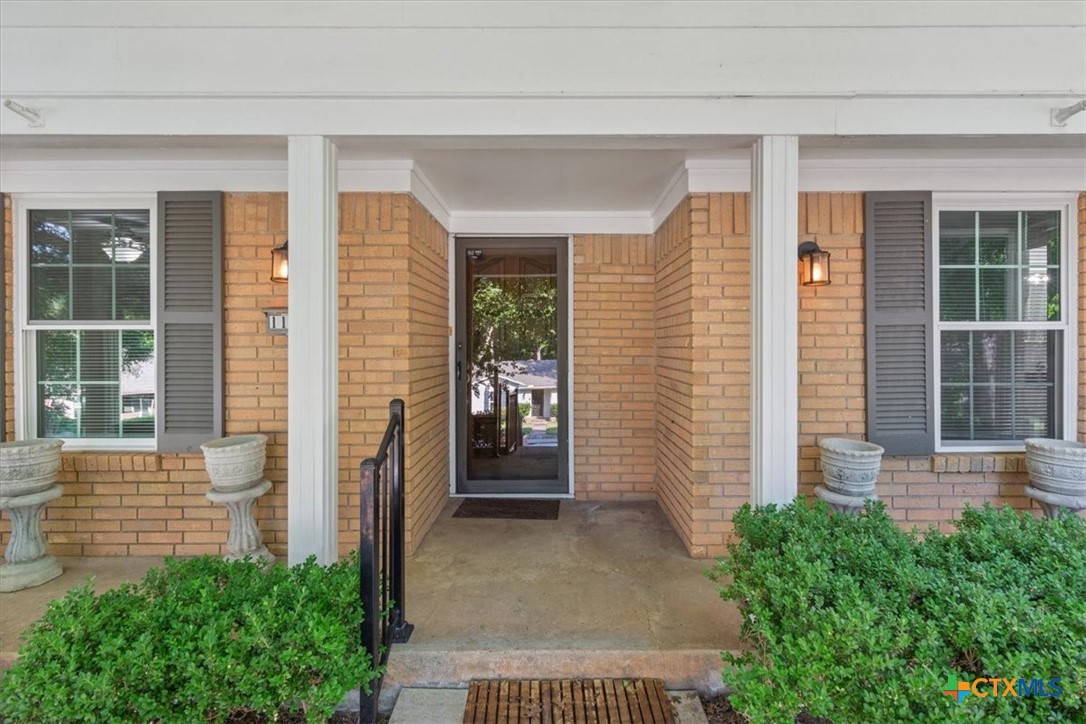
(401, 629)
(368, 583)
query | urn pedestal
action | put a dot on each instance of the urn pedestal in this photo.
(236, 468)
(28, 471)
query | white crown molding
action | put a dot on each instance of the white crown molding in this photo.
(672, 195)
(1008, 170)
(995, 173)
(128, 176)
(427, 195)
(392, 176)
(719, 175)
(550, 222)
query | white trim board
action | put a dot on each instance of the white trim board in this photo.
(819, 170)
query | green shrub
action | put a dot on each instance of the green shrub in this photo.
(196, 640)
(852, 619)
(524, 409)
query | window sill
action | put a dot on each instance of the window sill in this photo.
(975, 462)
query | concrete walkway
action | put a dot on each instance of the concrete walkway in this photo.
(606, 590)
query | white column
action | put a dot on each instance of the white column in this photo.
(313, 353)
(774, 299)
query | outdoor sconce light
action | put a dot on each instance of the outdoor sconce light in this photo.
(279, 263)
(815, 263)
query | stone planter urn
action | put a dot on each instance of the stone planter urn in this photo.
(849, 470)
(1057, 475)
(28, 473)
(235, 463)
(236, 468)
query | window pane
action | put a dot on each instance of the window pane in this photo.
(131, 238)
(956, 411)
(956, 360)
(137, 384)
(957, 295)
(1009, 390)
(49, 297)
(96, 384)
(99, 356)
(57, 360)
(58, 411)
(957, 238)
(1040, 295)
(133, 292)
(90, 265)
(998, 295)
(1015, 271)
(997, 237)
(1042, 234)
(50, 237)
(92, 288)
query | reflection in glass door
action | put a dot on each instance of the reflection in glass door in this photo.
(511, 366)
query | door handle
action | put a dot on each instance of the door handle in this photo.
(457, 370)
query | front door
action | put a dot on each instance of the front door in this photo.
(511, 372)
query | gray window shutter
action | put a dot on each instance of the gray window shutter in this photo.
(188, 328)
(900, 335)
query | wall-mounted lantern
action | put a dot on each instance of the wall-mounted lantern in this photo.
(279, 263)
(815, 265)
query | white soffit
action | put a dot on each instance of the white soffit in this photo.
(547, 185)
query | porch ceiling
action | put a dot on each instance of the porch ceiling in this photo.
(525, 174)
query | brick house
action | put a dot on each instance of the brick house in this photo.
(698, 371)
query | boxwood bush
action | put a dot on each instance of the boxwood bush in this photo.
(197, 640)
(852, 619)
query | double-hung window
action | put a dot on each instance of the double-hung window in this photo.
(970, 312)
(1001, 322)
(88, 327)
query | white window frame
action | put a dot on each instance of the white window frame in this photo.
(25, 351)
(1066, 205)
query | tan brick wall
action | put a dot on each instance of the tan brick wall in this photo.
(152, 504)
(427, 443)
(917, 490)
(9, 317)
(614, 290)
(703, 367)
(831, 331)
(393, 342)
(1082, 317)
(674, 372)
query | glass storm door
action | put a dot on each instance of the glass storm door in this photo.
(510, 378)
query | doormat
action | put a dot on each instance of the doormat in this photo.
(508, 509)
(570, 701)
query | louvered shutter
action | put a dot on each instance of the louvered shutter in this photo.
(900, 339)
(188, 329)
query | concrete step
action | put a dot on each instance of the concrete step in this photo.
(411, 666)
(446, 706)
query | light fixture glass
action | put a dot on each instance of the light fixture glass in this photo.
(124, 248)
(279, 263)
(815, 265)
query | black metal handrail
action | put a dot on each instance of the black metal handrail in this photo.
(381, 552)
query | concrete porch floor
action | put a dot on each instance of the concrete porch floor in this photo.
(21, 608)
(606, 590)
